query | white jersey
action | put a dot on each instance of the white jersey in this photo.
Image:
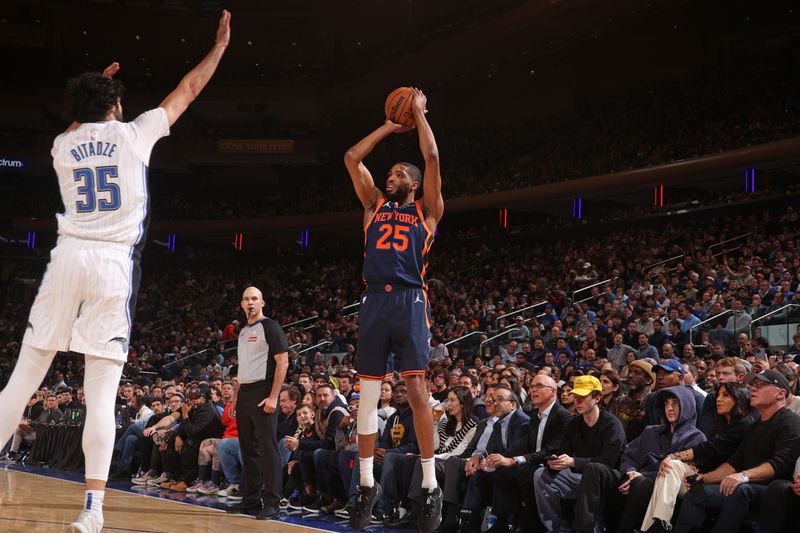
(102, 174)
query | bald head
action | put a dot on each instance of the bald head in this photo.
(253, 304)
(543, 391)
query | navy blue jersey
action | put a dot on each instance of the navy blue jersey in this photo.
(396, 245)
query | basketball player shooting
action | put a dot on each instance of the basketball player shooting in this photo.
(87, 297)
(395, 314)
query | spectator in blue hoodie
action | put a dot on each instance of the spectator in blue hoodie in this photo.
(629, 488)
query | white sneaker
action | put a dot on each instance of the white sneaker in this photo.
(230, 490)
(85, 523)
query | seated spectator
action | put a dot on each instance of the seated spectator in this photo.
(199, 420)
(27, 427)
(728, 370)
(454, 432)
(733, 419)
(612, 387)
(767, 451)
(209, 467)
(299, 482)
(593, 436)
(630, 408)
(514, 468)
(125, 447)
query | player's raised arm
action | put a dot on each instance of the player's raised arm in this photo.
(197, 78)
(432, 200)
(365, 187)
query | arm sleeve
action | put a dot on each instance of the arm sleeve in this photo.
(146, 130)
(276, 338)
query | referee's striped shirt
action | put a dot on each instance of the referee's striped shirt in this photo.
(259, 343)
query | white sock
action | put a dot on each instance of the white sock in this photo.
(428, 474)
(365, 471)
(94, 503)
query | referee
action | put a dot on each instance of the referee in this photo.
(263, 360)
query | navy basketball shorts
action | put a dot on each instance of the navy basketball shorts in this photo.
(393, 321)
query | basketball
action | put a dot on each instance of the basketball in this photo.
(398, 107)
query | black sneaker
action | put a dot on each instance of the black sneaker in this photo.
(331, 508)
(431, 514)
(397, 521)
(268, 513)
(314, 506)
(296, 502)
(241, 509)
(378, 518)
(366, 499)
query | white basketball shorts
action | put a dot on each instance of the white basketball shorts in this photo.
(86, 300)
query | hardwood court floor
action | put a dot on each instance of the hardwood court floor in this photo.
(31, 502)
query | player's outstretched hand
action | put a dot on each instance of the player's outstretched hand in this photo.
(398, 128)
(110, 70)
(420, 102)
(224, 28)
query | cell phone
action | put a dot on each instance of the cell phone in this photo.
(692, 479)
(552, 457)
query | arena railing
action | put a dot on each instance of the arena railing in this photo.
(520, 311)
(726, 241)
(589, 287)
(785, 310)
(468, 336)
(729, 339)
(651, 267)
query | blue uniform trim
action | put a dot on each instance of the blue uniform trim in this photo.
(136, 253)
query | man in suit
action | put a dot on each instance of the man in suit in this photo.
(505, 428)
(514, 468)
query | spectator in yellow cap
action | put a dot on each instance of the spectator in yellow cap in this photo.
(593, 436)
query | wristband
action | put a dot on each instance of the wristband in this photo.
(744, 477)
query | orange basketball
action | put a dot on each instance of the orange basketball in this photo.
(398, 107)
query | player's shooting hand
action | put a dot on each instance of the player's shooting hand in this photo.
(224, 28)
(419, 103)
(110, 70)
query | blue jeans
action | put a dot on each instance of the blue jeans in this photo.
(733, 509)
(230, 459)
(126, 445)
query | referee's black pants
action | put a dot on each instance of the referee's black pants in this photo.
(258, 441)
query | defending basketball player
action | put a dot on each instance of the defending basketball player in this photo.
(88, 294)
(395, 315)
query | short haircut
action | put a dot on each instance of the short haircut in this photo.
(413, 171)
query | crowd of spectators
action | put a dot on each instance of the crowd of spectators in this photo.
(634, 335)
(715, 110)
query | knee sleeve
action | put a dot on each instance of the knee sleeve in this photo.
(368, 406)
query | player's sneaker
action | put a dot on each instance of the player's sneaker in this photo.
(366, 499)
(431, 514)
(85, 523)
